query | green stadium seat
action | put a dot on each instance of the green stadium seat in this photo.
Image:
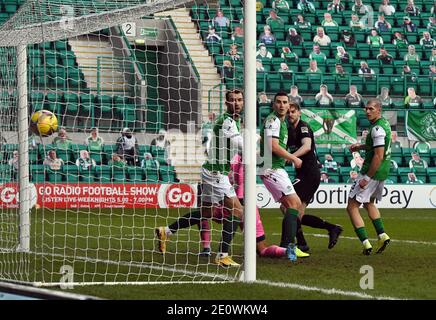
(65, 155)
(87, 175)
(167, 174)
(397, 155)
(274, 82)
(407, 154)
(33, 156)
(136, 174)
(104, 174)
(98, 157)
(322, 151)
(151, 175)
(6, 173)
(338, 155)
(431, 173)
(118, 174)
(343, 85)
(402, 174)
(37, 173)
(264, 111)
(344, 173)
(70, 173)
(330, 82)
(55, 176)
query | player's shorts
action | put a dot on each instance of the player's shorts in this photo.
(220, 212)
(215, 186)
(277, 182)
(374, 189)
(306, 185)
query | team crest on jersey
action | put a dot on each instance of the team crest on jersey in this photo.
(269, 123)
(304, 130)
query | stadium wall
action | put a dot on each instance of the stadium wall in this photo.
(332, 196)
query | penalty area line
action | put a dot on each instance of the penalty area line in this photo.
(318, 235)
(331, 291)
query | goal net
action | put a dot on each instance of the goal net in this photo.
(119, 76)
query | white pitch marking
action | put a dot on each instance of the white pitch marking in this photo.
(317, 235)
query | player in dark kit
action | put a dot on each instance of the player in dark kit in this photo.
(302, 145)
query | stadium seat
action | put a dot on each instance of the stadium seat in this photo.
(338, 154)
(55, 176)
(322, 151)
(118, 174)
(431, 173)
(344, 173)
(103, 174)
(167, 174)
(402, 174)
(87, 175)
(70, 173)
(151, 175)
(37, 173)
(136, 174)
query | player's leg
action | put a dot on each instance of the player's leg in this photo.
(306, 187)
(230, 225)
(218, 213)
(204, 237)
(277, 182)
(290, 224)
(358, 224)
(189, 219)
(272, 251)
(357, 197)
(301, 240)
(374, 215)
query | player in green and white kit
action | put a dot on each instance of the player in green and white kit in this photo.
(274, 134)
(216, 188)
(370, 184)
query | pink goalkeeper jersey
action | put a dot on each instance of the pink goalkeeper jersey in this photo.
(236, 177)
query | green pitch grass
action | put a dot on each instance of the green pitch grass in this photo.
(118, 245)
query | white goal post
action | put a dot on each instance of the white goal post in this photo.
(96, 226)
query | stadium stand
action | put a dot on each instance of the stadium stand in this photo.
(390, 75)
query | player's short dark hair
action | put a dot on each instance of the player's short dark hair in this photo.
(280, 94)
(374, 102)
(294, 105)
(233, 91)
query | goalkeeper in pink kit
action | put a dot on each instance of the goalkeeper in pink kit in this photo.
(236, 177)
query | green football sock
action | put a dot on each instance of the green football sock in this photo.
(361, 233)
(378, 225)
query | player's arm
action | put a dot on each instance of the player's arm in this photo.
(282, 153)
(306, 146)
(378, 137)
(358, 146)
(230, 131)
(376, 161)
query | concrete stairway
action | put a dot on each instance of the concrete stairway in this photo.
(204, 64)
(87, 49)
(190, 154)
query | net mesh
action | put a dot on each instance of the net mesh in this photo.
(113, 66)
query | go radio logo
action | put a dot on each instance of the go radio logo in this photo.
(177, 196)
(432, 197)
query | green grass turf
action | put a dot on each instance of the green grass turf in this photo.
(94, 244)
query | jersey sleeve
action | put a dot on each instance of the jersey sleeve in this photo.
(378, 135)
(231, 131)
(304, 131)
(272, 128)
(229, 128)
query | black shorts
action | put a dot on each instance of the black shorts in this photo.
(306, 185)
